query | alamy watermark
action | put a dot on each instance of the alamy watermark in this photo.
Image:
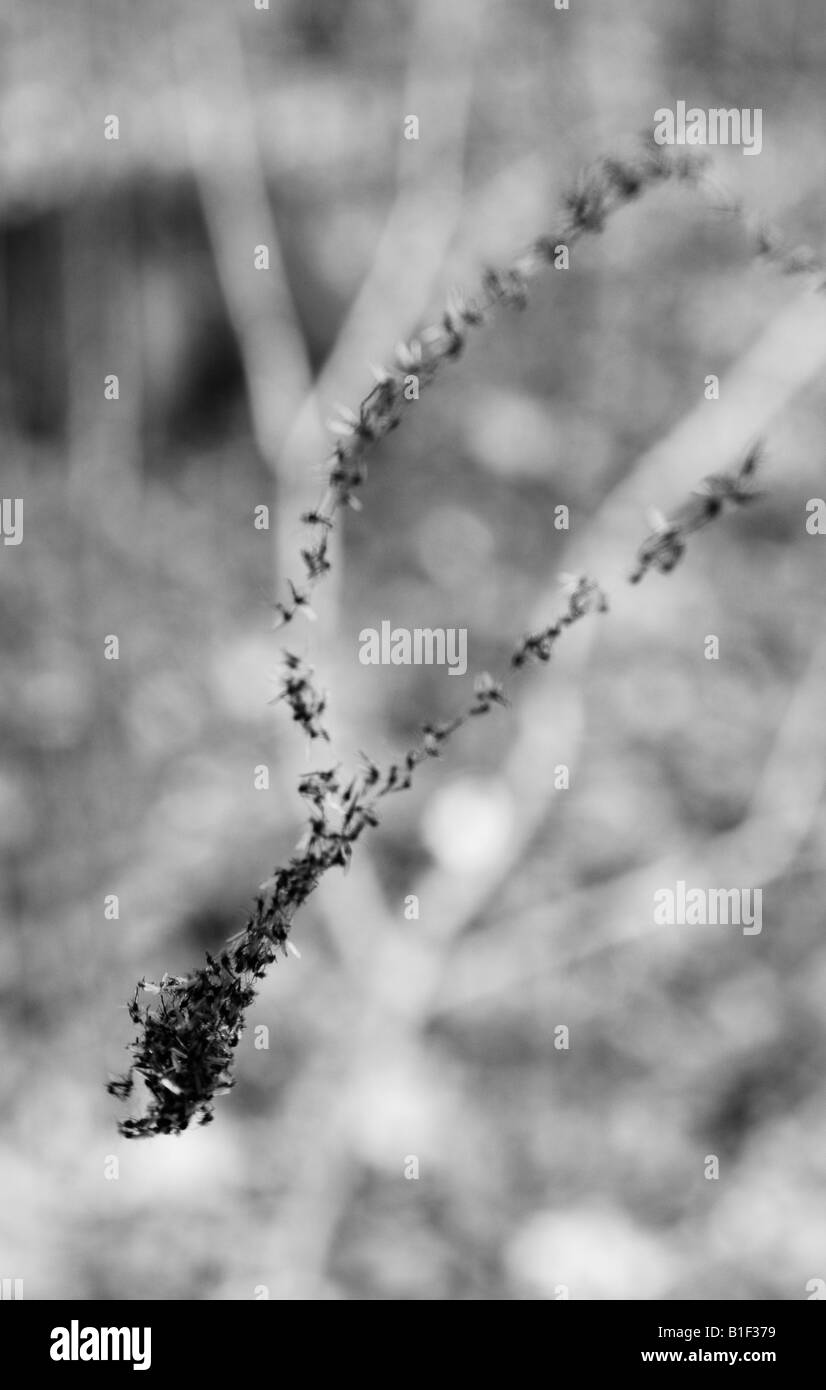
(419, 646)
(76, 1343)
(11, 520)
(717, 126)
(710, 906)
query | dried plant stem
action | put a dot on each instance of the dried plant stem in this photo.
(185, 1048)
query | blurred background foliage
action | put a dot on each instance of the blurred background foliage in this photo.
(391, 1038)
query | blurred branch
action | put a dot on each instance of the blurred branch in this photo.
(233, 187)
(761, 850)
(407, 259)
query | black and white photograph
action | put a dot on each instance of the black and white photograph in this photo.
(413, 631)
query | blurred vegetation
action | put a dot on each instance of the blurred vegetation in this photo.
(391, 1038)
